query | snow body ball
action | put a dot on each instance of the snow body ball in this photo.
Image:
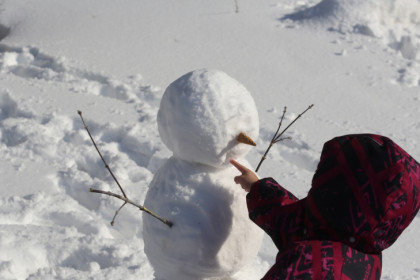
(212, 235)
(200, 116)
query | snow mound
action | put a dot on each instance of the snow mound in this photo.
(396, 22)
(202, 113)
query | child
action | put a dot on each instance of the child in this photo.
(364, 193)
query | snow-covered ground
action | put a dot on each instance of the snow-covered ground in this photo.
(357, 61)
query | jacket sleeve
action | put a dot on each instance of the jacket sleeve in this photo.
(322, 260)
(277, 211)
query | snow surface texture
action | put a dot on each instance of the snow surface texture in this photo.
(202, 113)
(212, 235)
(199, 118)
(51, 227)
(396, 22)
(389, 19)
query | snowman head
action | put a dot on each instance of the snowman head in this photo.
(201, 115)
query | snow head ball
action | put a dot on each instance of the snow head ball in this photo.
(202, 113)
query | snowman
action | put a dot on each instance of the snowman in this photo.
(200, 118)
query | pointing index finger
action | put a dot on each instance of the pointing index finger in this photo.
(239, 166)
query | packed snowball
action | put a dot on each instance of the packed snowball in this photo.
(212, 235)
(202, 113)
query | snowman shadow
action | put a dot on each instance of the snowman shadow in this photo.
(219, 217)
(229, 147)
(214, 220)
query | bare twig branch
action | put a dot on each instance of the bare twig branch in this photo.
(126, 200)
(124, 197)
(300, 115)
(280, 123)
(282, 139)
(278, 136)
(97, 149)
(116, 212)
(273, 140)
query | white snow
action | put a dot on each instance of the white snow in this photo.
(395, 23)
(202, 113)
(212, 235)
(112, 60)
(200, 116)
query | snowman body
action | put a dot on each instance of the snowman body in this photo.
(199, 118)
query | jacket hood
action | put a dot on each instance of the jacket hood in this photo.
(364, 193)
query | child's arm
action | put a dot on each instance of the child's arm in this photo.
(277, 211)
(247, 178)
(270, 189)
(273, 208)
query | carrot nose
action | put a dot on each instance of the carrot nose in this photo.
(245, 139)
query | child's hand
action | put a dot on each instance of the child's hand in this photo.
(247, 179)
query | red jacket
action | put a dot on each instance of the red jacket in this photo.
(364, 193)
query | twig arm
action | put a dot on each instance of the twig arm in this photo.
(124, 197)
(126, 200)
(116, 213)
(272, 141)
(100, 154)
(277, 136)
(287, 127)
(264, 156)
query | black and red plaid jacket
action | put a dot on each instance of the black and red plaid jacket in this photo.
(364, 193)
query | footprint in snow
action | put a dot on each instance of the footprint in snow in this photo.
(32, 63)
